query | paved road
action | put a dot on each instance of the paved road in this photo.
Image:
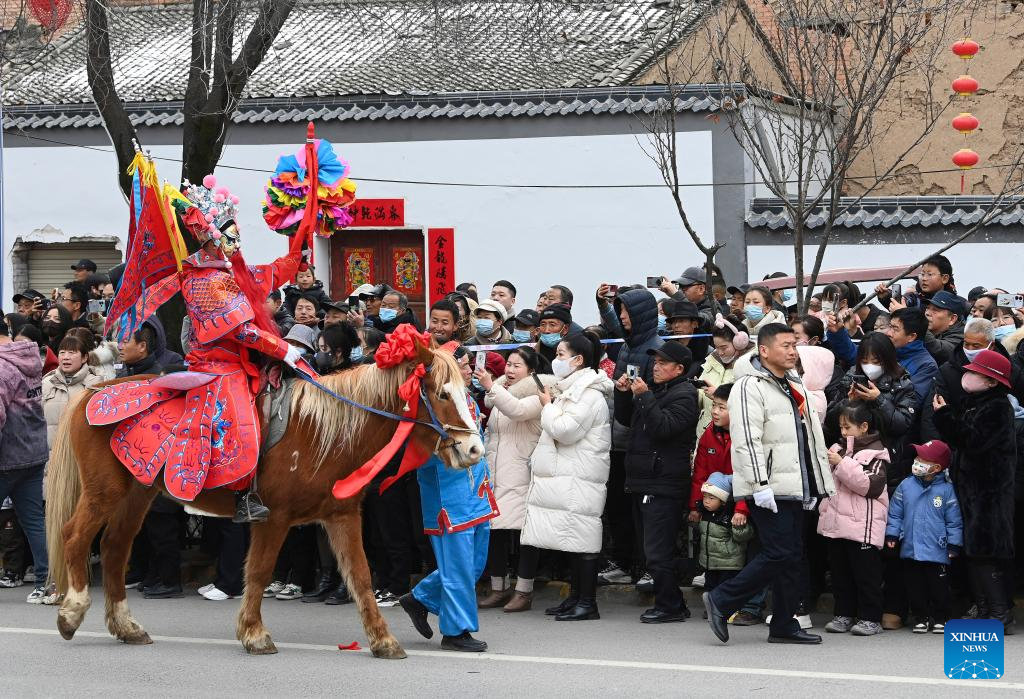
(195, 655)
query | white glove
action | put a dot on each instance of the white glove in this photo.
(766, 499)
(293, 356)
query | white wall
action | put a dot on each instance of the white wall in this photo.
(974, 264)
(533, 237)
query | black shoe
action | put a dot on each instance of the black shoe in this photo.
(801, 637)
(418, 613)
(585, 610)
(463, 642)
(657, 616)
(323, 588)
(718, 622)
(339, 596)
(249, 509)
(566, 605)
(162, 591)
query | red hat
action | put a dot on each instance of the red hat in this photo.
(993, 365)
(935, 451)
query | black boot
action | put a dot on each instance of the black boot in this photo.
(995, 590)
(573, 599)
(339, 596)
(249, 509)
(586, 607)
(976, 574)
(328, 582)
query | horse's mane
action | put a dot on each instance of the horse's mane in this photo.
(338, 425)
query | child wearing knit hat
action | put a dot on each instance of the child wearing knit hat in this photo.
(723, 545)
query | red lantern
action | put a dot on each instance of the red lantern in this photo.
(51, 14)
(965, 158)
(965, 85)
(965, 123)
(966, 48)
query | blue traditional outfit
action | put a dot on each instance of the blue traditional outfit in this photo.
(458, 505)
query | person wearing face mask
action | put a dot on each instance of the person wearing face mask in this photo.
(553, 327)
(336, 345)
(55, 324)
(983, 434)
(925, 529)
(979, 335)
(758, 310)
(513, 430)
(488, 321)
(524, 328)
(1006, 327)
(717, 369)
(394, 310)
(570, 470)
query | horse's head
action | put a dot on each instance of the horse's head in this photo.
(447, 407)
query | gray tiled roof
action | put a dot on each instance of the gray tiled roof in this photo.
(506, 104)
(888, 212)
(334, 48)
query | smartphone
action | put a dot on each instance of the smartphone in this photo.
(613, 291)
(699, 383)
(481, 360)
(896, 290)
(540, 386)
(1010, 301)
(95, 306)
(654, 282)
(632, 372)
(860, 380)
(353, 302)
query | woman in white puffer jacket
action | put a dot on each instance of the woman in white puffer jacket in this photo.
(570, 470)
(513, 430)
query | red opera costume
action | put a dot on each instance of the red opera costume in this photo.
(201, 427)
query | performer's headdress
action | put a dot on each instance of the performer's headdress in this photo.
(208, 211)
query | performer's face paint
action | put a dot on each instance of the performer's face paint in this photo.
(229, 240)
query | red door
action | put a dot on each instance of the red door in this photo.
(370, 256)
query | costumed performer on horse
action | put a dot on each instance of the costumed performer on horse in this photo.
(200, 428)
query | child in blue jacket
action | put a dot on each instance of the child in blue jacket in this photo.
(924, 517)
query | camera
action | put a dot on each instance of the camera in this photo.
(632, 372)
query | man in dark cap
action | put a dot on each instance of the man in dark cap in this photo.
(691, 286)
(554, 326)
(83, 269)
(663, 422)
(945, 313)
(683, 318)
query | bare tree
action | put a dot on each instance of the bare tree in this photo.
(815, 77)
(217, 76)
(677, 70)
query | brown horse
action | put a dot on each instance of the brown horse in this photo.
(87, 488)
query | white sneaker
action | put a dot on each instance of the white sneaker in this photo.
(39, 595)
(290, 591)
(386, 599)
(613, 575)
(206, 588)
(645, 583)
(698, 580)
(273, 588)
(216, 595)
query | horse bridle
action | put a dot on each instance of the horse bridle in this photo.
(444, 440)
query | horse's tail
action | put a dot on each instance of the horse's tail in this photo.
(63, 489)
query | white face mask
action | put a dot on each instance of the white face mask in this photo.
(972, 354)
(921, 469)
(872, 371)
(562, 367)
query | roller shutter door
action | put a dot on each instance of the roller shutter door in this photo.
(49, 264)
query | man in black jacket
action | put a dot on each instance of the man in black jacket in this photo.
(663, 423)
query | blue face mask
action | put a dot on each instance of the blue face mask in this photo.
(388, 314)
(1004, 330)
(476, 384)
(550, 339)
(356, 355)
(484, 326)
(754, 313)
(788, 295)
(521, 335)
(662, 324)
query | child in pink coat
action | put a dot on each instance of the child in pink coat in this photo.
(854, 522)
